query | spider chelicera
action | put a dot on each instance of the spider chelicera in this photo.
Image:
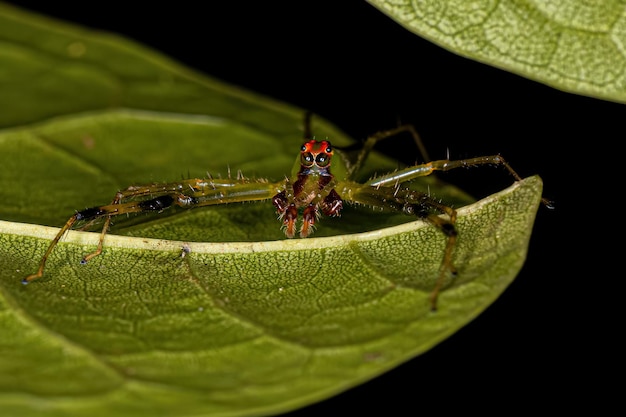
(322, 182)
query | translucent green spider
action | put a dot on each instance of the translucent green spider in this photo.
(320, 184)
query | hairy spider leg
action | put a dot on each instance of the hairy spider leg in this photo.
(414, 203)
(443, 165)
(187, 194)
(385, 191)
(372, 140)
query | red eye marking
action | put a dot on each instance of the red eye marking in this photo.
(316, 147)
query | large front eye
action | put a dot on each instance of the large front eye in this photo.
(322, 160)
(306, 159)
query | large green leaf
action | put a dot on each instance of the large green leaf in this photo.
(573, 45)
(258, 326)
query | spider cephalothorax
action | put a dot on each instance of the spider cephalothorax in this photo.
(312, 189)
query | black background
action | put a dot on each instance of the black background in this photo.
(351, 64)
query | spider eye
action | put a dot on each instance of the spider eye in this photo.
(322, 160)
(307, 159)
(303, 148)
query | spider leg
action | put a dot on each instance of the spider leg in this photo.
(158, 197)
(372, 140)
(448, 228)
(67, 226)
(91, 214)
(428, 168)
(420, 205)
(105, 228)
(307, 125)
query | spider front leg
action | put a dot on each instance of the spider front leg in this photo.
(107, 212)
(158, 197)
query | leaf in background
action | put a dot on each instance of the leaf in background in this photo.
(259, 326)
(572, 45)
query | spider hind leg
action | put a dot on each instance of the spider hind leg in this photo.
(445, 224)
(422, 206)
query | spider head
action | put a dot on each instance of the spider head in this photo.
(315, 157)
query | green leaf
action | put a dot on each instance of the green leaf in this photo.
(246, 322)
(573, 45)
(230, 328)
